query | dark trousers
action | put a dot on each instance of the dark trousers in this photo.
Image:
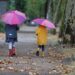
(42, 47)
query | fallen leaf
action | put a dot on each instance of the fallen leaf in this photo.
(34, 64)
(2, 69)
(30, 73)
(21, 70)
(10, 68)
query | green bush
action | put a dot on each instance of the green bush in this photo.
(62, 29)
(1, 27)
(53, 31)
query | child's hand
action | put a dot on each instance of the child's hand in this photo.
(36, 34)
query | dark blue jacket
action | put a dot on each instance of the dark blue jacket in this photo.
(11, 32)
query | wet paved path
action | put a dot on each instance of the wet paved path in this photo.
(13, 73)
(26, 44)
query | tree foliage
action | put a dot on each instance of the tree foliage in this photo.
(20, 5)
(1, 27)
(11, 4)
(35, 8)
(54, 9)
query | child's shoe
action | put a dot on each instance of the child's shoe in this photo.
(12, 52)
(42, 53)
(38, 52)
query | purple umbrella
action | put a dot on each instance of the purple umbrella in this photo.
(13, 17)
(44, 22)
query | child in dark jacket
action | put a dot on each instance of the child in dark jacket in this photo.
(11, 37)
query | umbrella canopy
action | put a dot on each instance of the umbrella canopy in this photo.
(13, 17)
(44, 22)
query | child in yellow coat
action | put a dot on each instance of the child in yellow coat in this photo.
(42, 34)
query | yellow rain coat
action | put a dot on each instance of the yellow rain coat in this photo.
(42, 35)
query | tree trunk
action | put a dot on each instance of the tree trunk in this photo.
(46, 7)
(69, 14)
(49, 12)
(56, 12)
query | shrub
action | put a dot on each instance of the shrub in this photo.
(53, 31)
(1, 27)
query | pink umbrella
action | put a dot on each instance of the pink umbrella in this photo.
(13, 17)
(44, 22)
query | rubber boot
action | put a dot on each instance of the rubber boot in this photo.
(37, 52)
(42, 53)
(12, 52)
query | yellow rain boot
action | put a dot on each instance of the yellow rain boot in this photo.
(42, 53)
